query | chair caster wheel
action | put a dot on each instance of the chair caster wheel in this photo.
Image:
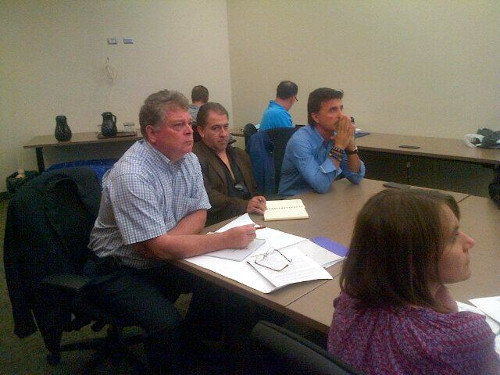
(53, 359)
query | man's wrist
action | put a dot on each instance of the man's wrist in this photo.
(351, 150)
(336, 153)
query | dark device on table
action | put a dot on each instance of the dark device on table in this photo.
(395, 185)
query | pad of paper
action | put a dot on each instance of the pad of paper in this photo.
(287, 209)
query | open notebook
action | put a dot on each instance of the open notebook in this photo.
(288, 209)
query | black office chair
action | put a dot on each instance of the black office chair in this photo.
(279, 138)
(288, 353)
(248, 130)
(45, 249)
(267, 150)
(494, 187)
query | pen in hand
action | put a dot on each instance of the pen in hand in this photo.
(259, 227)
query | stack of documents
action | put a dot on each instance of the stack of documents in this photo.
(307, 259)
(295, 267)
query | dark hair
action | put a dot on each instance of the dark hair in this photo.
(319, 96)
(154, 110)
(201, 118)
(398, 239)
(199, 94)
(286, 89)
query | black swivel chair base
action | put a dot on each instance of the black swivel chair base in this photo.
(114, 346)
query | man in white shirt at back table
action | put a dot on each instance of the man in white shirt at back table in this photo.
(276, 114)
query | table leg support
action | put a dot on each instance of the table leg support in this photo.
(39, 159)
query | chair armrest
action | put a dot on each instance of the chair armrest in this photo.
(69, 282)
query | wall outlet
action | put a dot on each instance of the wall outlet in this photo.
(128, 40)
(112, 41)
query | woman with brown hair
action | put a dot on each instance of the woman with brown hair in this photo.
(395, 314)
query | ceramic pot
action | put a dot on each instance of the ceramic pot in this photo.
(63, 132)
(108, 128)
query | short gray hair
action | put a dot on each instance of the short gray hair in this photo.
(154, 110)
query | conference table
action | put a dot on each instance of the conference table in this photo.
(441, 163)
(333, 215)
(429, 147)
(78, 139)
(480, 219)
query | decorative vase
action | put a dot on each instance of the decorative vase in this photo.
(63, 132)
(108, 128)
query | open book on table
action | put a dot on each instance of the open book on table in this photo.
(287, 209)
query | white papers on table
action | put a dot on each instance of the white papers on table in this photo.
(238, 222)
(274, 238)
(489, 305)
(277, 239)
(243, 272)
(301, 268)
(238, 254)
(319, 254)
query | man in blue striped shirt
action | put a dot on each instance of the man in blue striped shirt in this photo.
(153, 207)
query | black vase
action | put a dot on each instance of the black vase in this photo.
(108, 128)
(63, 132)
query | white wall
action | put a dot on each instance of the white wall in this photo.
(53, 55)
(407, 66)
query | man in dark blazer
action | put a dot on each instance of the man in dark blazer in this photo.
(227, 172)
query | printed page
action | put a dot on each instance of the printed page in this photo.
(242, 271)
(278, 239)
(238, 222)
(238, 254)
(273, 238)
(319, 254)
(300, 268)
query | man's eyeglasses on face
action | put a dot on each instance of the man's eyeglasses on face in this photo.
(273, 260)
